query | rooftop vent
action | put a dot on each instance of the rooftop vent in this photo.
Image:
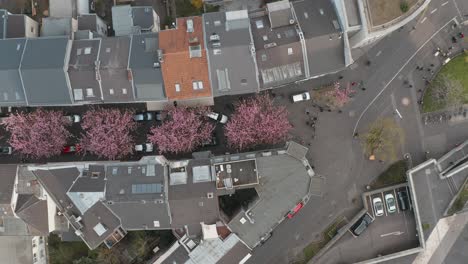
(156, 65)
(189, 25)
(210, 195)
(292, 21)
(270, 45)
(95, 174)
(216, 44)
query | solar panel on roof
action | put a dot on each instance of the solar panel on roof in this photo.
(146, 188)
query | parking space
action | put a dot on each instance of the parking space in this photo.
(390, 227)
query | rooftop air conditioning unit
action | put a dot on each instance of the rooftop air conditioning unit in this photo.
(156, 65)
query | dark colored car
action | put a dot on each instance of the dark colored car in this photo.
(361, 224)
(403, 201)
(5, 150)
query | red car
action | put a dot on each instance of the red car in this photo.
(296, 209)
(70, 149)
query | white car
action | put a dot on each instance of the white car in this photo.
(390, 201)
(147, 147)
(218, 117)
(146, 116)
(73, 118)
(378, 206)
(301, 97)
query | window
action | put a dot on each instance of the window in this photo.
(108, 50)
(217, 23)
(18, 46)
(244, 81)
(278, 35)
(89, 92)
(290, 51)
(306, 15)
(265, 37)
(195, 51)
(197, 85)
(111, 91)
(87, 51)
(259, 23)
(78, 52)
(177, 87)
(124, 90)
(32, 29)
(264, 57)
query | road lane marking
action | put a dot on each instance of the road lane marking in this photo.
(396, 233)
(398, 72)
(433, 11)
(424, 19)
(458, 9)
(398, 112)
(444, 3)
(378, 53)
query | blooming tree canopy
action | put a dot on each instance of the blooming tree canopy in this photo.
(340, 96)
(107, 133)
(257, 121)
(184, 130)
(37, 134)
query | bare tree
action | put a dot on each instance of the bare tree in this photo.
(383, 139)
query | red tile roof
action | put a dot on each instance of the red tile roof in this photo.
(178, 67)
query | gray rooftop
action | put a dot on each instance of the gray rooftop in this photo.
(279, 52)
(3, 23)
(212, 251)
(87, 22)
(113, 69)
(284, 181)
(44, 78)
(16, 26)
(62, 8)
(143, 17)
(147, 77)
(193, 202)
(31, 210)
(82, 70)
(280, 14)
(7, 179)
(122, 20)
(11, 90)
(57, 26)
(320, 25)
(231, 62)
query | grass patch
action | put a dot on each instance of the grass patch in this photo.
(426, 226)
(395, 174)
(313, 248)
(186, 8)
(404, 7)
(65, 252)
(456, 69)
(460, 200)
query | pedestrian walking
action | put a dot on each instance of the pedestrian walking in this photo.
(432, 65)
(363, 88)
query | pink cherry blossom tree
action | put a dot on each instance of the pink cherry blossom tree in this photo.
(107, 133)
(257, 121)
(340, 96)
(39, 134)
(183, 130)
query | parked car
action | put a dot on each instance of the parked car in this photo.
(403, 202)
(361, 224)
(390, 201)
(145, 116)
(73, 118)
(446, 61)
(218, 117)
(213, 141)
(5, 150)
(71, 149)
(378, 206)
(147, 147)
(301, 97)
(295, 210)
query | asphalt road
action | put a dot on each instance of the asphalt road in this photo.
(337, 156)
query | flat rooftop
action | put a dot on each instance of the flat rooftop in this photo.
(236, 174)
(279, 52)
(320, 25)
(284, 182)
(231, 61)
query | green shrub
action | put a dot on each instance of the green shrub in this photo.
(404, 7)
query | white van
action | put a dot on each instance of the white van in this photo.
(301, 97)
(446, 61)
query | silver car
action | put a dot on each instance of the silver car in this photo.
(390, 201)
(378, 206)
